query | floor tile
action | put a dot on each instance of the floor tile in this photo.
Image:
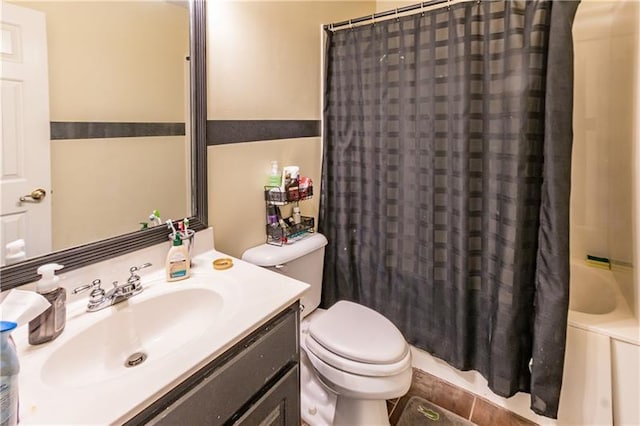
(442, 393)
(488, 414)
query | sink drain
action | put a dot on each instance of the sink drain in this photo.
(135, 359)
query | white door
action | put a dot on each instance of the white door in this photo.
(24, 147)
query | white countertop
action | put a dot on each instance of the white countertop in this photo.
(252, 295)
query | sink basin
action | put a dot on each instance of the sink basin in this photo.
(592, 290)
(131, 335)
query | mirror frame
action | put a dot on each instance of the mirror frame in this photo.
(76, 257)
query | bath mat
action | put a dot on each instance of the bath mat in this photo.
(419, 411)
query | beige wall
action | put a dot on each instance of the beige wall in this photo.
(109, 186)
(264, 62)
(605, 33)
(115, 62)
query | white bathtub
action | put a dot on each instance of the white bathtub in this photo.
(597, 304)
(600, 382)
(594, 389)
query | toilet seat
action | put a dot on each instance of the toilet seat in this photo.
(356, 367)
(357, 333)
(357, 386)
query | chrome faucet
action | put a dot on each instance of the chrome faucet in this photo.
(99, 299)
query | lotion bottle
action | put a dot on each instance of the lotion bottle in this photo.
(178, 263)
(49, 324)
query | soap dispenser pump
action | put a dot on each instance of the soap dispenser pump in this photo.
(48, 325)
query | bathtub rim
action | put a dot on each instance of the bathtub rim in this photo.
(620, 323)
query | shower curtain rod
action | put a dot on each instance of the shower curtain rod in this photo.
(396, 11)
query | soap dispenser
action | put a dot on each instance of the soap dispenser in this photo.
(48, 325)
(178, 263)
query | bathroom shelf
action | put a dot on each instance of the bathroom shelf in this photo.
(274, 195)
(277, 233)
(277, 236)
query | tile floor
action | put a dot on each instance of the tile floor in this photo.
(457, 400)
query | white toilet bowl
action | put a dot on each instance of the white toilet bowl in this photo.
(362, 358)
(352, 358)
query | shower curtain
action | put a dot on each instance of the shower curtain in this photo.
(445, 184)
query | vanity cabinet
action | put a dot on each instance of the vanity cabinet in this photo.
(256, 382)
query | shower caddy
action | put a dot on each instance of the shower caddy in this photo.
(275, 196)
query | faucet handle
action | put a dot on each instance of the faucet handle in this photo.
(94, 284)
(134, 278)
(137, 268)
(97, 294)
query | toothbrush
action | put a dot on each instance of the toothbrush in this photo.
(185, 223)
(154, 217)
(173, 229)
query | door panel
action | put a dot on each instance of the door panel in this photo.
(24, 111)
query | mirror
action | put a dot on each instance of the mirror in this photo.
(81, 253)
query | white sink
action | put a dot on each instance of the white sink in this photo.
(81, 377)
(146, 331)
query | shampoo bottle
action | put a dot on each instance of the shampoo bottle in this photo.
(49, 324)
(178, 262)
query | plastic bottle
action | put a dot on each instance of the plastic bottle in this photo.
(291, 184)
(297, 218)
(15, 252)
(9, 369)
(275, 176)
(49, 324)
(272, 216)
(178, 263)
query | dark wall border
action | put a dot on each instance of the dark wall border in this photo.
(24, 272)
(220, 132)
(97, 130)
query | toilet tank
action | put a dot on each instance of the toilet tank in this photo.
(302, 260)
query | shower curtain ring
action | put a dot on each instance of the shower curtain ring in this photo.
(448, 4)
(373, 19)
(350, 24)
(422, 8)
(397, 17)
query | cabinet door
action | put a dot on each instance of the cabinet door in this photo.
(216, 396)
(279, 406)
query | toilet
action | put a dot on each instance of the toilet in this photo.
(352, 358)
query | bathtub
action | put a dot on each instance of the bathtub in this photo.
(600, 381)
(601, 362)
(597, 304)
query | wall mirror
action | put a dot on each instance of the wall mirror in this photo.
(124, 141)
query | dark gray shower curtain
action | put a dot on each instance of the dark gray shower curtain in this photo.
(445, 185)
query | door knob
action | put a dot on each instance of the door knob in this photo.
(35, 197)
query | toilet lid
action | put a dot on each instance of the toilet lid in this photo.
(324, 355)
(360, 334)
